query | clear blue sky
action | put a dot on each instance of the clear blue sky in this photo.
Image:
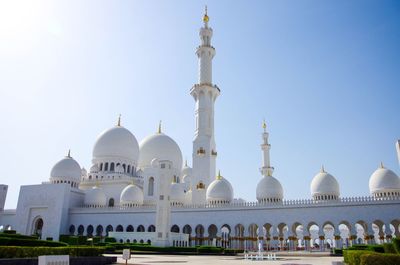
(324, 74)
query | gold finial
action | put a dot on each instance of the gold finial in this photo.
(69, 153)
(219, 177)
(323, 169)
(269, 172)
(119, 120)
(159, 127)
(382, 166)
(205, 17)
(264, 125)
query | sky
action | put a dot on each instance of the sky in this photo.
(325, 75)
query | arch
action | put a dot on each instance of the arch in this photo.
(71, 230)
(106, 166)
(253, 230)
(175, 229)
(119, 228)
(212, 231)
(89, 230)
(187, 229)
(112, 167)
(199, 230)
(38, 226)
(81, 230)
(129, 228)
(99, 230)
(150, 187)
(111, 202)
(149, 241)
(396, 225)
(140, 228)
(225, 235)
(239, 231)
(109, 229)
(151, 228)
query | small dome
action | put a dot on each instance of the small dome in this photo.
(383, 181)
(186, 179)
(269, 189)
(186, 170)
(66, 168)
(131, 195)
(177, 195)
(219, 191)
(116, 142)
(162, 147)
(95, 197)
(94, 168)
(324, 186)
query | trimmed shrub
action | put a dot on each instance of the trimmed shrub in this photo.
(396, 244)
(338, 251)
(358, 247)
(110, 240)
(353, 257)
(49, 238)
(376, 248)
(11, 241)
(379, 259)
(17, 236)
(210, 250)
(74, 240)
(389, 248)
(25, 252)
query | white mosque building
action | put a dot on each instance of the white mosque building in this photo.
(144, 192)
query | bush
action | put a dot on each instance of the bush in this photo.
(338, 251)
(210, 250)
(358, 247)
(231, 251)
(49, 238)
(14, 241)
(10, 232)
(74, 240)
(396, 244)
(353, 257)
(26, 252)
(389, 248)
(376, 248)
(379, 259)
(17, 236)
(110, 240)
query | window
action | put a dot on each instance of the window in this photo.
(150, 191)
(111, 202)
(105, 166)
(112, 167)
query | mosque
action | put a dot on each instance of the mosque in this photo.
(144, 192)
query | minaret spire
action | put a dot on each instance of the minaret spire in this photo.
(205, 94)
(119, 120)
(159, 127)
(266, 169)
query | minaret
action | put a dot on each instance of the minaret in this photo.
(266, 169)
(398, 150)
(205, 94)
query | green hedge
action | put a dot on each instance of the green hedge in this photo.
(379, 259)
(376, 248)
(74, 240)
(353, 257)
(396, 244)
(10, 232)
(4, 234)
(210, 249)
(110, 240)
(389, 248)
(11, 241)
(25, 252)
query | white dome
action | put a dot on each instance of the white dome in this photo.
(95, 197)
(324, 184)
(177, 194)
(162, 147)
(269, 189)
(131, 195)
(186, 179)
(186, 170)
(384, 180)
(116, 142)
(66, 168)
(219, 191)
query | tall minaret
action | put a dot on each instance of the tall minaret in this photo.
(398, 150)
(266, 169)
(205, 94)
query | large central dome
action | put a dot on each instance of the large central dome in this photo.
(116, 142)
(162, 147)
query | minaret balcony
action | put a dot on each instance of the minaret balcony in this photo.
(201, 151)
(214, 153)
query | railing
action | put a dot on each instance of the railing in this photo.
(283, 204)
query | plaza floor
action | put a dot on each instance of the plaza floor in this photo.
(291, 259)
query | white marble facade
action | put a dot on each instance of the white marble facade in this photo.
(144, 192)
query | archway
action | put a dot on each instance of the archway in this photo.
(212, 235)
(119, 228)
(199, 230)
(99, 230)
(129, 228)
(151, 228)
(72, 230)
(225, 236)
(175, 229)
(140, 228)
(38, 227)
(81, 230)
(109, 229)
